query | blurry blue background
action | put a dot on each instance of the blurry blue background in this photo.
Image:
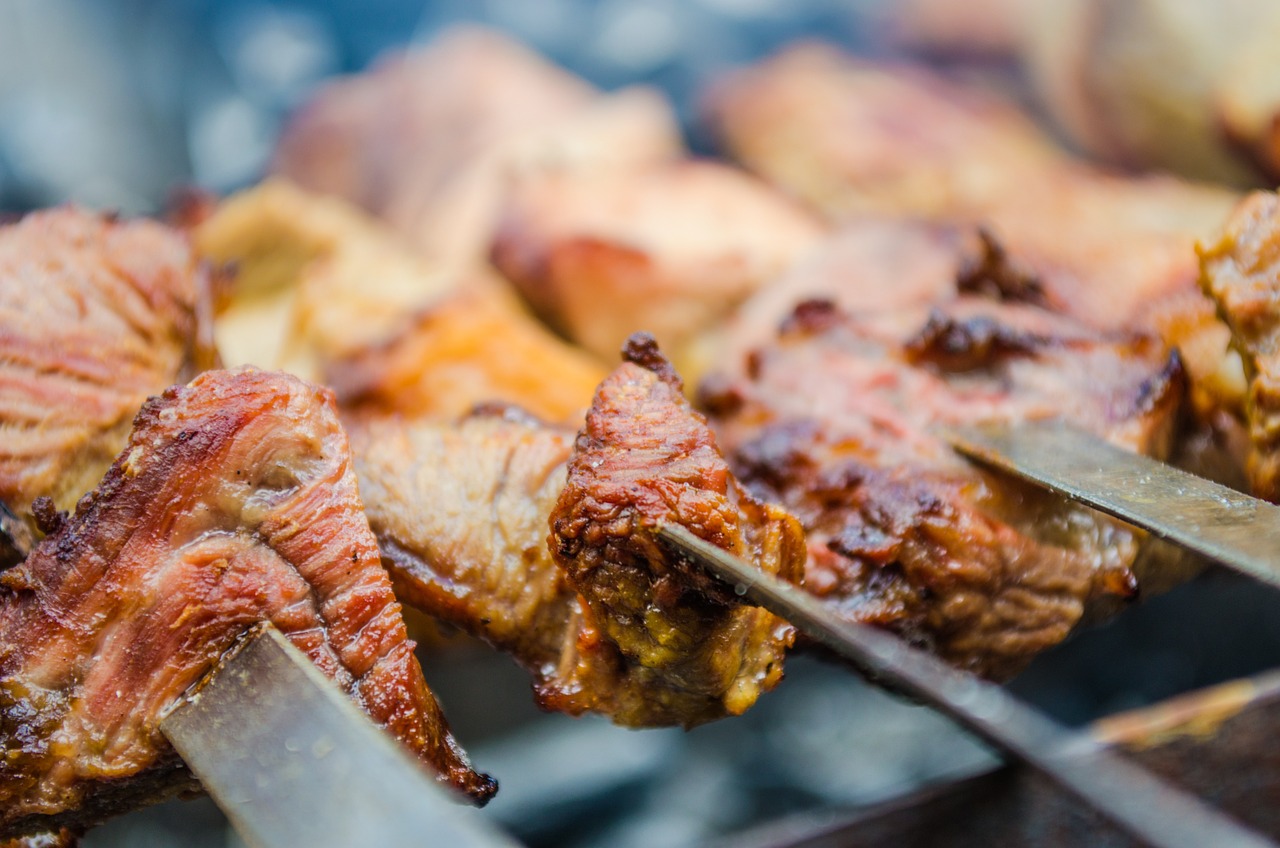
(114, 102)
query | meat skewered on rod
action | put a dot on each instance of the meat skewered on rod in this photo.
(510, 530)
(1143, 806)
(233, 503)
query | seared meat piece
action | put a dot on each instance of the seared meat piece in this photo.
(645, 459)
(426, 138)
(1241, 272)
(314, 278)
(668, 249)
(95, 316)
(601, 614)
(837, 420)
(854, 137)
(233, 503)
(476, 346)
(15, 538)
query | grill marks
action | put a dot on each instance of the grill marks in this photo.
(95, 316)
(234, 502)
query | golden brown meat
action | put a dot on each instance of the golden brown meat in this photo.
(837, 420)
(233, 503)
(980, 28)
(95, 316)
(669, 249)
(1176, 84)
(426, 138)
(314, 280)
(854, 137)
(1240, 270)
(605, 618)
(474, 347)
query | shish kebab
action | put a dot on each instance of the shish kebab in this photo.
(1141, 805)
(297, 760)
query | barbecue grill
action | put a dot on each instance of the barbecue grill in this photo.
(1183, 685)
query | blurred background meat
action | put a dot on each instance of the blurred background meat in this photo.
(95, 316)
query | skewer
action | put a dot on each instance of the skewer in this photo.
(1230, 527)
(1138, 803)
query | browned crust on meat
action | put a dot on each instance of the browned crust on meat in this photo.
(645, 459)
(96, 314)
(234, 502)
(836, 420)
(462, 513)
(1241, 272)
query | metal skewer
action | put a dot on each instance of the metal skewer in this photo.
(1143, 806)
(1239, 531)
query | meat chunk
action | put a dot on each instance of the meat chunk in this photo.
(95, 315)
(477, 346)
(315, 279)
(426, 139)
(1240, 270)
(644, 459)
(837, 420)
(234, 502)
(604, 618)
(854, 137)
(669, 249)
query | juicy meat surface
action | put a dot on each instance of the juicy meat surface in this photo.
(476, 346)
(603, 616)
(854, 137)
(233, 503)
(644, 459)
(836, 420)
(313, 278)
(426, 138)
(1240, 270)
(95, 316)
(668, 249)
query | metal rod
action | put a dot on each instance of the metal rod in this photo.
(1135, 801)
(292, 761)
(1239, 531)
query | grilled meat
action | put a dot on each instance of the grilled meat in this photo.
(855, 137)
(1241, 271)
(234, 502)
(668, 249)
(95, 316)
(836, 419)
(426, 138)
(602, 615)
(473, 347)
(314, 278)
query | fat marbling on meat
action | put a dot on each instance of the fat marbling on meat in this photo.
(836, 417)
(545, 546)
(96, 314)
(233, 503)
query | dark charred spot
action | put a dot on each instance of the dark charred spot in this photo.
(778, 456)
(1169, 384)
(993, 273)
(810, 316)
(642, 349)
(866, 541)
(719, 396)
(48, 519)
(15, 539)
(965, 345)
